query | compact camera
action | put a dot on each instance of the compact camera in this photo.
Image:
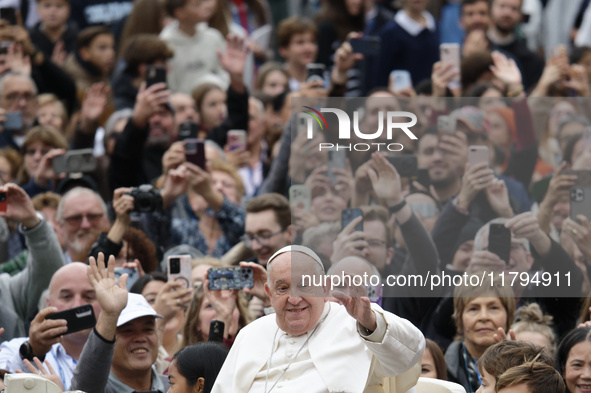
(146, 199)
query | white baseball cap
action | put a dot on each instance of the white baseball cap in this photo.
(137, 307)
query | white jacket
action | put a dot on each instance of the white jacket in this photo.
(345, 360)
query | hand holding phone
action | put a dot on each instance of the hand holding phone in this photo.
(195, 152)
(78, 318)
(180, 269)
(499, 241)
(230, 278)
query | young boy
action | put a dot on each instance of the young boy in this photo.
(194, 45)
(531, 377)
(296, 39)
(94, 58)
(500, 357)
(54, 30)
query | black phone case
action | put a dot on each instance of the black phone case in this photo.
(406, 165)
(79, 318)
(216, 331)
(155, 74)
(349, 215)
(499, 241)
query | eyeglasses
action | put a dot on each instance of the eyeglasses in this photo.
(262, 238)
(15, 97)
(376, 243)
(31, 152)
(76, 220)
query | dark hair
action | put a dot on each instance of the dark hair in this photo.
(478, 90)
(474, 66)
(472, 2)
(140, 284)
(272, 201)
(573, 338)
(145, 18)
(203, 360)
(291, 26)
(144, 48)
(538, 377)
(89, 34)
(335, 12)
(500, 357)
(172, 5)
(438, 359)
(578, 53)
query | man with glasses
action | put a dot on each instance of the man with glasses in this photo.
(18, 106)
(267, 226)
(82, 216)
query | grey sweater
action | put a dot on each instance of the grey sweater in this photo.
(20, 294)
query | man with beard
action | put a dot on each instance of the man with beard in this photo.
(69, 288)
(506, 16)
(82, 216)
(137, 158)
(445, 156)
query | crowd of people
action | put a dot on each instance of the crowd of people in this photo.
(133, 132)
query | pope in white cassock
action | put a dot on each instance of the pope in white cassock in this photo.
(312, 345)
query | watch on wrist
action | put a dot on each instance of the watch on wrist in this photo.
(26, 352)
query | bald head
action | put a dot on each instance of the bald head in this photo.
(70, 287)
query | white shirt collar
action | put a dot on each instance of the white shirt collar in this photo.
(413, 27)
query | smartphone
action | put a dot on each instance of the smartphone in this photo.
(78, 318)
(3, 202)
(348, 215)
(195, 152)
(583, 176)
(75, 161)
(450, 53)
(477, 154)
(9, 14)
(316, 73)
(188, 130)
(446, 124)
(337, 159)
(368, 45)
(236, 139)
(406, 164)
(302, 123)
(230, 278)
(499, 241)
(14, 121)
(216, 331)
(423, 178)
(179, 270)
(400, 79)
(132, 275)
(300, 196)
(580, 202)
(155, 74)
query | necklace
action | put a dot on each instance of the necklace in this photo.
(294, 358)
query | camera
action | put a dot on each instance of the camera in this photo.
(75, 161)
(146, 199)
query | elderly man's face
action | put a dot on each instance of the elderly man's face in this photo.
(18, 95)
(297, 308)
(82, 220)
(136, 346)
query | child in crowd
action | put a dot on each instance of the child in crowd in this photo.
(296, 39)
(54, 35)
(194, 45)
(94, 58)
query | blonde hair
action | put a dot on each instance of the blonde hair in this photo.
(464, 294)
(51, 99)
(530, 318)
